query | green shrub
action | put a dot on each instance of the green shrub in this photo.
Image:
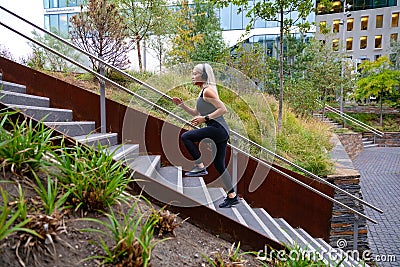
(94, 179)
(23, 148)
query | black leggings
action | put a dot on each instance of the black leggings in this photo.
(219, 135)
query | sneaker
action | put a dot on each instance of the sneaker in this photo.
(229, 202)
(197, 172)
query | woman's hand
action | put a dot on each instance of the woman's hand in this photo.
(177, 101)
(197, 120)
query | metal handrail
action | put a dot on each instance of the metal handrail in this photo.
(354, 120)
(184, 121)
(309, 174)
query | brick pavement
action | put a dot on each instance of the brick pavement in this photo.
(379, 168)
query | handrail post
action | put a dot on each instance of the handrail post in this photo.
(374, 138)
(234, 162)
(355, 232)
(102, 98)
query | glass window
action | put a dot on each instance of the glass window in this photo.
(224, 18)
(46, 4)
(376, 57)
(392, 3)
(260, 23)
(54, 23)
(363, 42)
(336, 24)
(395, 19)
(62, 3)
(350, 24)
(322, 26)
(53, 3)
(236, 21)
(63, 25)
(47, 22)
(349, 43)
(364, 23)
(378, 41)
(336, 7)
(379, 21)
(246, 20)
(380, 3)
(335, 44)
(393, 38)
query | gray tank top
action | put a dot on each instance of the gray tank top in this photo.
(205, 108)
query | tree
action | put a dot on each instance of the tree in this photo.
(100, 30)
(142, 18)
(185, 40)
(206, 24)
(395, 54)
(44, 59)
(277, 10)
(160, 39)
(378, 80)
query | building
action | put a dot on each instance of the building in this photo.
(58, 12)
(363, 29)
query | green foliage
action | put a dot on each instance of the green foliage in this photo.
(133, 237)
(305, 141)
(44, 59)
(378, 80)
(92, 176)
(142, 18)
(186, 38)
(7, 219)
(24, 146)
(301, 95)
(233, 258)
(206, 23)
(52, 197)
(107, 30)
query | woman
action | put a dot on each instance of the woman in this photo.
(209, 110)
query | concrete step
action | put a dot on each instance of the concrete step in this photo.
(106, 139)
(299, 241)
(12, 98)
(12, 87)
(253, 221)
(45, 114)
(337, 254)
(126, 152)
(327, 254)
(146, 166)
(171, 176)
(218, 195)
(195, 188)
(73, 128)
(273, 226)
(370, 145)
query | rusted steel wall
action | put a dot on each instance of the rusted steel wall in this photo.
(275, 193)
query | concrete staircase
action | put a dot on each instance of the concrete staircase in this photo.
(149, 166)
(368, 141)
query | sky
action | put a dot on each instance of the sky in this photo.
(32, 10)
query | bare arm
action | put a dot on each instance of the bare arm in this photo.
(179, 102)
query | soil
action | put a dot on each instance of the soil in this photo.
(184, 247)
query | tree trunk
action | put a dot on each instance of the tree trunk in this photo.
(139, 54)
(280, 111)
(381, 116)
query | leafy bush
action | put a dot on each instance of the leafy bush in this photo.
(94, 179)
(133, 237)
(24, 146)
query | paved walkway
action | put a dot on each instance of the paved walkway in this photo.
(379, 168)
